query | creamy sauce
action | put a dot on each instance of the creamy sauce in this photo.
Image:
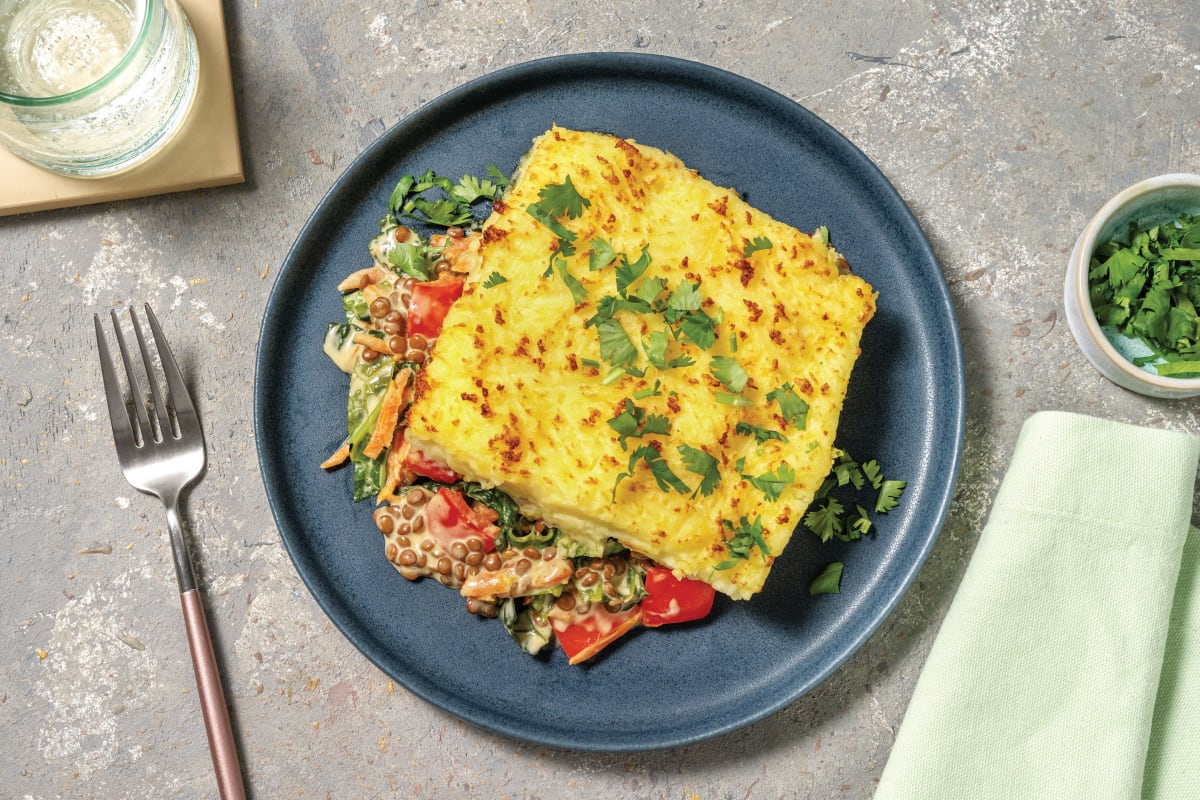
(341, 353)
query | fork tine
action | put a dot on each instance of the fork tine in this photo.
(181, 398)
(135, 389)
(117, 414)
(160, 409)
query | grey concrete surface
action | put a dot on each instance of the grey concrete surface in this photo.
(1003, 123)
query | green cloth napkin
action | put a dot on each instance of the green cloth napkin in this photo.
(1068, 665)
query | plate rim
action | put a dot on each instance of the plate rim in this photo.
(625, 65)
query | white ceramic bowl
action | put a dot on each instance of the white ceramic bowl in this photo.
(1158, 199)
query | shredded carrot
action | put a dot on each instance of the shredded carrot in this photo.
(389, 414)
(363, 278)
(395, 467)
(373, 342)
(339, 457)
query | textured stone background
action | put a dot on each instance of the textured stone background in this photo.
(1004, 124)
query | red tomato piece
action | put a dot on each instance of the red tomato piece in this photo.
(418, 463)
(670, 599)
(583, 637)
(429, 303)
(450, 519)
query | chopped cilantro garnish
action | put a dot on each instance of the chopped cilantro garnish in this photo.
(495, 279)
(655, 347)
(1146, 285)
(760, 434)
(736, 400)
(628, 272)
(827, 517)
(889, 495)
(455, 205)
(772, 484)
(829, 581)
(758, 243)
(684, 298)
(634, 421)
(601, 254)
(747, 535)
(699, 328)
(615, 345)
(578, 293)
(729, 372)
(649, 391)
(701, 463)
(663, 476)
(648, 292)
(413, 260)
(559, 199)
(791, 405)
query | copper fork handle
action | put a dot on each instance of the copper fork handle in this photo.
(212, 700)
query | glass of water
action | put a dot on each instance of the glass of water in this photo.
(93, 87)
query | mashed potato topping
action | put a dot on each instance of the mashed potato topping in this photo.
(522, 394)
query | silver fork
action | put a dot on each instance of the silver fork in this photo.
(162, 454)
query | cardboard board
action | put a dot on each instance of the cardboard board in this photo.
(205, 152)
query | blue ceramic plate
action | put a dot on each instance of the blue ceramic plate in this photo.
(654, 689)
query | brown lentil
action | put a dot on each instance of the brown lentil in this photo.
(381, 307)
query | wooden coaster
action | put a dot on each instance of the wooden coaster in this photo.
(205, 152)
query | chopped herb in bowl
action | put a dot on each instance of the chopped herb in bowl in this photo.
(1146, 287)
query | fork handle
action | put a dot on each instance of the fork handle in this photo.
(212, 699)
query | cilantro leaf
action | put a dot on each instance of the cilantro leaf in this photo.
(736, 400)
(633, 421)
(825, 520)
(615, 346)
(558, 199)
(649, 391)
(411, 260)
(495, 279)
(772, 484)
(648, 292)
(729, 372)
(760, 434)
(860, 523)
(655, 347)
(758, 243)
(608, 306)
(698, 328)
(563, 233)
(685, 298)
(889, 495)
(829, 581)
(747, 535)
(470, 189)
(578, 293)
(601, 254)
(453, 207)
(792, 406)
(873, 473)
(701, 463)
(628, 272)
(663, 476)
